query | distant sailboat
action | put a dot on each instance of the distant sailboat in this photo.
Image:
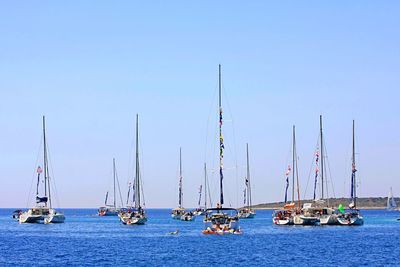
(135, 215)
(221, 220)
(353, 216)
(43, 212)
(201, 210)
(391, 202)
(247, 212)
(110, 209)
(179, 213)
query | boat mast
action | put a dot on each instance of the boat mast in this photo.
(180, 178)
(248, 178)
(293, 159)
(322, 158)
(114, 182)
(296, 169)
(45, 163)
(221, 139)
(137, 178)
(205, 186)
(353, 172)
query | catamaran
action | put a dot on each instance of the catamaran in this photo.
(247, 212)
(286, 215)
(353, 216)
(391, 202)
(221, 220)
(179, 213)
(110, 209)
(136, 214)
(43, 212)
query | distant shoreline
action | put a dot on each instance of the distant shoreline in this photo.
(365, 203)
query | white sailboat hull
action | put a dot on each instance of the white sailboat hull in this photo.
(351, 219)
(187, 218)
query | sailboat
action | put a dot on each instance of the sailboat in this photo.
(110, 210)
(353, 216)
(179, 213)
(135, 215)
(391, 203)
(327, 215)
(286, 215)
(247, 212)
(43, 212)
(201, 210)
(221, 220)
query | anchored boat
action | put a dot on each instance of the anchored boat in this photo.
(135, 214)
(286, 215)
(43, 212)
(247, 212)
(201, 210)
(353, 215)
(180, 213)
(221, 220)
(391, 202)
(110, 209)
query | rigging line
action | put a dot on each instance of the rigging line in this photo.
(211, 109)
(325, 166)
(119, 187)
(34, 174)
(131, 149)
(52, 184)
(309, 173)
(330, 174)
(141, 168)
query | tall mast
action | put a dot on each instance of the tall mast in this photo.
(322, 158)
(248, 178)
(114, 182)
(221, 139)
(293, 159)
(354, 185)
(137, 178)
(296, 169)
(180, 179)
(46, 168)
(205, 186)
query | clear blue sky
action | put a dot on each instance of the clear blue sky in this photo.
(90, 66)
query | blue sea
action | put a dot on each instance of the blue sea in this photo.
(86, 239)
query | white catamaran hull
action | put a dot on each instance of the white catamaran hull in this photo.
(331, 219)
(56, 218)
(29, 218)
(247, 215)
(305, 220)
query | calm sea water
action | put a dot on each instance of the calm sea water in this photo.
(85, 239)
